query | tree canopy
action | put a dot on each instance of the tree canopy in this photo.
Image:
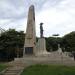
(10, 43)
(69, 41)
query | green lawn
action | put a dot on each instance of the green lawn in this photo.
(49, 70)
(2, 67)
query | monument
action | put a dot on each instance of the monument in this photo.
(36, 52)
(41, 44)
(30, 46)
(30, 37)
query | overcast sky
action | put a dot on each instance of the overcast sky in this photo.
(58, 16)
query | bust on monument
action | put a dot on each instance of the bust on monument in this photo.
(41, 30)
(59, 49)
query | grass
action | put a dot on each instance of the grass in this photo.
(2, 67)
(49, 70)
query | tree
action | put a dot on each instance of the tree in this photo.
(10, 43)
(69, 41)
(51, 44)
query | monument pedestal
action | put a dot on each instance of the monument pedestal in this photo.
(41, 47)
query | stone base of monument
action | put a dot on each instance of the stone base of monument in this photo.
(41, 48)
(44, 57)
(53, 58)
(43, 54)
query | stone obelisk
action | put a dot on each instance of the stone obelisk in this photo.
(30, 37)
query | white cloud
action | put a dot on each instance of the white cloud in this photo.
(12, 9)
(15, 24)
(58, 19)
(58, 15)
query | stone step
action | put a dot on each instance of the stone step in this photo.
(10, 71)
(10, 74)
(14, 69)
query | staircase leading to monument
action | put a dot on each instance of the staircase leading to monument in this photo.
(16, 67)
